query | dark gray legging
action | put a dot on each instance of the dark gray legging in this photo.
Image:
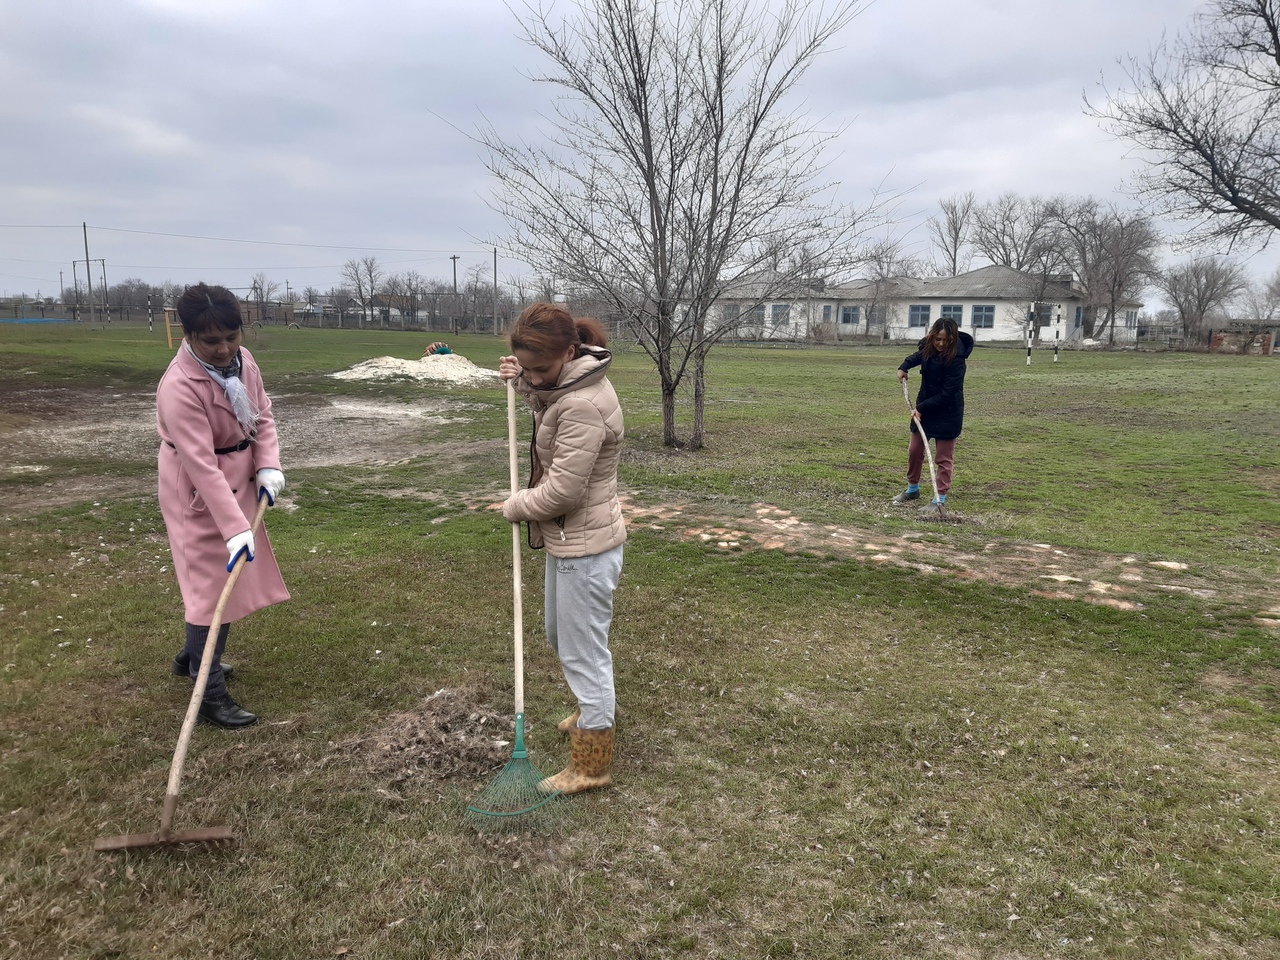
(194, 649)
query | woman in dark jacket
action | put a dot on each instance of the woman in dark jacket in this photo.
(939, 409)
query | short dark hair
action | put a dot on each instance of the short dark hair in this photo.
(202, 307)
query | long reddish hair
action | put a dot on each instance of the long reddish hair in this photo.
(549, 330)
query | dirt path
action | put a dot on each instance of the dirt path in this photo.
(41, 426)
(1123, 582)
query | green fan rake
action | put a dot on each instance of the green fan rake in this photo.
(513, 802)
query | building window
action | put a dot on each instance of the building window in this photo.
(826, 313)
(757, 314)
(1079, 317)
(918, 315)
(1131, 319)
(780, 313)
(850, 316)
(953, 311)
(730, 312)
(984, 316)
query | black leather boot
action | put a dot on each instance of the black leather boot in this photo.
(182, 667)
(226, 713)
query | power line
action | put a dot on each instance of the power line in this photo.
(281, 243)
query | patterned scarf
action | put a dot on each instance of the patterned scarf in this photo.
(228, 378)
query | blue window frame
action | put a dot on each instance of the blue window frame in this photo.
(984, 316)
(918, 315)
(850, 316)
(1079, 317)
(780, 313)
(952, 311)
(826, 313)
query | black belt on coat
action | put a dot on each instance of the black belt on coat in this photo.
(223, 451)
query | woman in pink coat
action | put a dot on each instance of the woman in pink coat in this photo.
(219, 454)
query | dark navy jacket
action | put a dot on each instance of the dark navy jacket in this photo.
(941, 396)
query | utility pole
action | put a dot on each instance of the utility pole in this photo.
(454, 320)
(106, 303)
(495, 291)
(88, 270)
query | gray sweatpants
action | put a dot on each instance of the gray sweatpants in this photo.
(579, 601)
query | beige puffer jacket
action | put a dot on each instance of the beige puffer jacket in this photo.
(571, 504)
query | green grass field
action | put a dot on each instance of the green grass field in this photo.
(819, 755)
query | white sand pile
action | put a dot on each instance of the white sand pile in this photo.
(442, 367)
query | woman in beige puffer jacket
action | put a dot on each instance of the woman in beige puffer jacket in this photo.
(571, 505)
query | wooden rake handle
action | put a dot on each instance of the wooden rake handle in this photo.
(202, 681)
(933, 473)
(518, 604)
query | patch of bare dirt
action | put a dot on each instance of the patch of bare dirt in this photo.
(1122, 582)
(42, 426)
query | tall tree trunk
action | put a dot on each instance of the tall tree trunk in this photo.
(699, 397)
(669, 414)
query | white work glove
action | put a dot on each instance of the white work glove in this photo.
(270, 483)
(240, 543)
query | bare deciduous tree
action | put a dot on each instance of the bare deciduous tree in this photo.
(1201, 288)
(1128, 263)
(262, 289)
(1205, 109)
(1110, 251)
(676, 162)
(887, 267)
(365, 277)
(337, 298)
(950, 231)
(1262, 299)
(1014, 231)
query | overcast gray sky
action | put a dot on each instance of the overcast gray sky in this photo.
(328, 129)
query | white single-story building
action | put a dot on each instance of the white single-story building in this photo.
(992, 303)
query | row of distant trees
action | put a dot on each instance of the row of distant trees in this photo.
(1111, 252)
(367, 294)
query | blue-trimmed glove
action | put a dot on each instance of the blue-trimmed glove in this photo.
(270, 483)
(240, 543)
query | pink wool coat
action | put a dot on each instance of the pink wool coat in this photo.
(207, 499)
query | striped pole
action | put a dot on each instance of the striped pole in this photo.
(1028, 346)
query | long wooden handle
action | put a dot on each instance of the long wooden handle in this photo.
(933, 473)
(202, 680)
(518, 605)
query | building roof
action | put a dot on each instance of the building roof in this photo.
(994, 283)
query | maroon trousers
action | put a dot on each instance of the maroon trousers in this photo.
(944, 457)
